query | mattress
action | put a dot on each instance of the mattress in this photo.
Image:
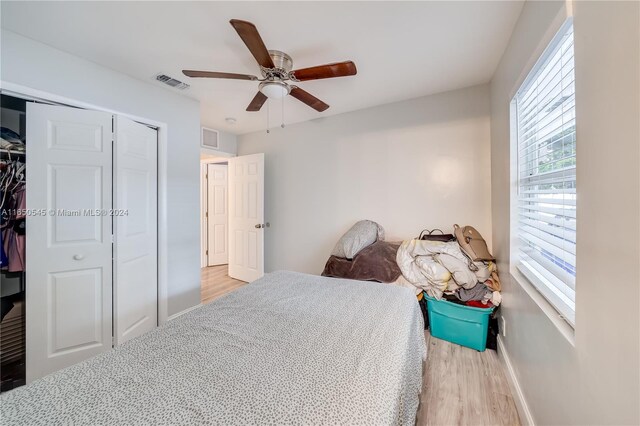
(288, 348)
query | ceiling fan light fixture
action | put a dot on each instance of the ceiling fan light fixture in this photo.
(274, 89)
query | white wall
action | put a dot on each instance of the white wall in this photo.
(228, 143)
(38, 66)
(408, 165)
(594, 379)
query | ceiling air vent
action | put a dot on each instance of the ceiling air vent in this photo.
(170, 81)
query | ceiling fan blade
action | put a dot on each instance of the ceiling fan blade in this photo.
(338, 69)
(211, 74)
(308, 98)
(258, 100)
(249, 34)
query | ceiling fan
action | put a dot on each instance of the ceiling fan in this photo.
(275, 67)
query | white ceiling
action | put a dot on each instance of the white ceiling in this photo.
(402, 50)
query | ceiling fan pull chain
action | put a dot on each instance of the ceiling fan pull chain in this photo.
(268, 104)
(282, 115)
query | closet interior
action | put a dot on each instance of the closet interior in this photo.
(12, 241)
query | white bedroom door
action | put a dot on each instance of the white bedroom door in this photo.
(135, 229)
(68, 242)
(217, 215)
(246, 217)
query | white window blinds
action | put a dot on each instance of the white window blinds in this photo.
(546, 161)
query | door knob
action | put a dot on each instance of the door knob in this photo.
(78, 257)
(258, 226)
(263, 225)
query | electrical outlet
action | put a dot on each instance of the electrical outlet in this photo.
(503, 326)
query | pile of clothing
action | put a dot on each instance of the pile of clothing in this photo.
(11, 141)
(441, 269)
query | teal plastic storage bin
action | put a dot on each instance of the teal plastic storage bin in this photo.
(464, 325)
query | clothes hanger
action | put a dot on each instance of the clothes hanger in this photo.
(5, 183)
(19, 176)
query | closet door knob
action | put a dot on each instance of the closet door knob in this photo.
(78, 257)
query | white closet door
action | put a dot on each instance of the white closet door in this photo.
(246, 217)
(217, 214)
(136, 235)
(68, 240)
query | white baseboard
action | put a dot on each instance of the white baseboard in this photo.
(521, 403)
(174, 316)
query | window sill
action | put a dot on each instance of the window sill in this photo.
(549, 310)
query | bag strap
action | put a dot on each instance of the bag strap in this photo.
(429, 232)
(472, 266)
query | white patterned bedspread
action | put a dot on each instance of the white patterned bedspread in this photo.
(289, 348)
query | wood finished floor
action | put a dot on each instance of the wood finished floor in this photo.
(461, 386)
(215, 282)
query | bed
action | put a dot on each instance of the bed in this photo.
(288, 348)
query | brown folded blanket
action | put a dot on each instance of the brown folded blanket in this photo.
(374, 263)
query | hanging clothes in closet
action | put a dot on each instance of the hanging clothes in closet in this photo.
(12, 214)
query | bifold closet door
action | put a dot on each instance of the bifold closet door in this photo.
(136, 224)
(68, 239)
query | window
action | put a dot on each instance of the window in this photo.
(546, 175)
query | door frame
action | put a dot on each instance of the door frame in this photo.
(29, 93)
(204, 224)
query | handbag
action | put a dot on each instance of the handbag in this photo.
(430, 235)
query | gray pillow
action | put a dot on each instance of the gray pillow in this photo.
(361, 235)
